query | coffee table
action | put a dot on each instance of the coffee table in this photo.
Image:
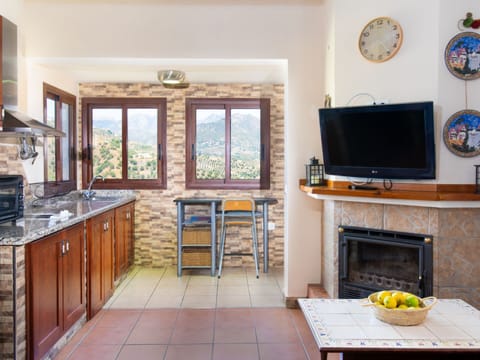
(450, 331)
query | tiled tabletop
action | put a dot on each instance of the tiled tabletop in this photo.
(343, 324)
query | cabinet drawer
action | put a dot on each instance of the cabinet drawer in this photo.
(196, 257)
(196, 236)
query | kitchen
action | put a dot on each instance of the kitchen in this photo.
(125, 45)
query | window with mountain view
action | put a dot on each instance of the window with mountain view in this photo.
(228, 143)
(124, 141)
(59, 165)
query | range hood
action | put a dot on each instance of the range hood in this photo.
(16, 124)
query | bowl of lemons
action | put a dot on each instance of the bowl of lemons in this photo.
(399, 307)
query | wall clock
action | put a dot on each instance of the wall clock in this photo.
(380, 39)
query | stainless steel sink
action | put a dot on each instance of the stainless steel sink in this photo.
(103, 198)
(43, 216)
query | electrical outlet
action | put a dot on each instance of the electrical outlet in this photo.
(271, 226)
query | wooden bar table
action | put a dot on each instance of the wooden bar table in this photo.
(213, 203)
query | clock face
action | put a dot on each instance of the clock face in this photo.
(380, 39)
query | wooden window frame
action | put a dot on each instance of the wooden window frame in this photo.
(61, 186)
(191, 104)
(87, 171)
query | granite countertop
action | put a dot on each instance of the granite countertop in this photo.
(46, 216)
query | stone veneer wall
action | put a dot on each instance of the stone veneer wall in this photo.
(12, 302)
(456, 242)
(155, 211)
(12, 288)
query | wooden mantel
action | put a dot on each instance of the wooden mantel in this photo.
(399, 191)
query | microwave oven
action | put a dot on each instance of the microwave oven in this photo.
(11, 197)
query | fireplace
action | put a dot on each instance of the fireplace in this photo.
(371, 260)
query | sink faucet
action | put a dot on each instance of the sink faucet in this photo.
(89, 193)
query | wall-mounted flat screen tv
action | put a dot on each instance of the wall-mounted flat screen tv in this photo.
(394, 141)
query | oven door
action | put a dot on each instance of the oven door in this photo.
(11, 197)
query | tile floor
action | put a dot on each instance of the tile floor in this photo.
(156, 315)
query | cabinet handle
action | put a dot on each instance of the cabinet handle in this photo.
(128, 215)
(63, 247)
(68, 246)
(105, 225)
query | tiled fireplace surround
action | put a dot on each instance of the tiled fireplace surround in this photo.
(456, 241)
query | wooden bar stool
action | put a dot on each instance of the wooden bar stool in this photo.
(238, 212)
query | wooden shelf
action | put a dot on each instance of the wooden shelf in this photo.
(400, 191)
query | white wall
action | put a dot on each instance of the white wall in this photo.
(451, 91)
(416, 73)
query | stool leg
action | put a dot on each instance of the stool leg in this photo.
(255, 245)
(222, 249)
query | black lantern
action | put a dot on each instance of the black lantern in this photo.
(315, 173)
(477, 179)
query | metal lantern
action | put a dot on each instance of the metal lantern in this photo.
(315, 173)
(477, 179)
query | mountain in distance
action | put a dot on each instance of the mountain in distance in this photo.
(211, 134)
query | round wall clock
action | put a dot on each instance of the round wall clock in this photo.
(380, 39)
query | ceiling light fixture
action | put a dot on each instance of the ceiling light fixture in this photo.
(171, 77)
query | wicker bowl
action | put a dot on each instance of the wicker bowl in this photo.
(404, 317)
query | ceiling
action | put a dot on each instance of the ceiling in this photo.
(145, 70)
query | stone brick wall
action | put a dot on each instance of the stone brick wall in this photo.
(155, 211)
(12, 302)
(456, 242)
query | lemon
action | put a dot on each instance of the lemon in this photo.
(390, 302)
(382, 295)
(402, 306)
(399, 297)
(412, 301)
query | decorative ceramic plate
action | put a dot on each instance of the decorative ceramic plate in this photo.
(461, 133)
(462, 56)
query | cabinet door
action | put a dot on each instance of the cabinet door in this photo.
(124, 217)
(73, 275)
(100, 261)
(108, 256)
(44, 281)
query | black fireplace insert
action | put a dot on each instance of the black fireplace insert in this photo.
(371, 260)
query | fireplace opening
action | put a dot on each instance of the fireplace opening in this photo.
(371, 260)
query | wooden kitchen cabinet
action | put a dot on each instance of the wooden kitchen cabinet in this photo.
(100, 269)
(55, 278)
(124, 224)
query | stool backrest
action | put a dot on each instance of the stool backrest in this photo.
(242, 204)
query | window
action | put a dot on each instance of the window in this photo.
(59, 167)
(227, 143)
(124, 141)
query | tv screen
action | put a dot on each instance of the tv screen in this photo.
(394, 141)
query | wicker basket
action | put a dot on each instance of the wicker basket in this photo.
(196, 257)
(404, 317)
(197, 236)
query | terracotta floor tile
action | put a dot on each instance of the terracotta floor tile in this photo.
(119, 318)
(142, 352)
(158, 317)
(277, 335)
(293, 351)
(192, 335)
(235, 352)
(107, 335)
(189, 352)
(235, 335)
(95, 352)
(314, 352)
(149, 334)
(234, 318)
(196, 317)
